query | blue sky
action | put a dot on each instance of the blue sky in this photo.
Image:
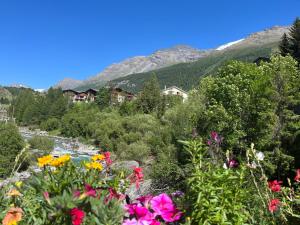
(43, 41)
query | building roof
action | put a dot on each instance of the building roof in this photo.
(70, 90)
(169, 88)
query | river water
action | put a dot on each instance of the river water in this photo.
(77, 150)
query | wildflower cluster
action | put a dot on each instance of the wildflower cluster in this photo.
(70, 193)
(152, 210)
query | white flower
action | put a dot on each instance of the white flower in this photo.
(260, 156)
(253, 165)
(225, 166)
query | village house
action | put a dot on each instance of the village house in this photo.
(119, 95)
(173, 90)
(84, 96)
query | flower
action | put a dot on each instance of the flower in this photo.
(163, 205)
(275, 185)
(94, 165)
(260, 156)
(113, 194)
(215, 138)
(98, 157)
(14, 192)
(130, 222)
(232, 163)
(145, 200)
(13, 216)
(46, 196)
(107, 158)
(60, 161)
(225, 166)
(297, 177)
(77, 216)
(45, 160)
(89, 191)
(137, 176)
(273, 205)
(18, 184)
(177, 194)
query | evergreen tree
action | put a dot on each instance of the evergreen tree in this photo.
(295, 39)
(150, 99)
(103, 98)
(284, 45)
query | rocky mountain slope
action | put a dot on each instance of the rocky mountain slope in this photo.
(180, 55)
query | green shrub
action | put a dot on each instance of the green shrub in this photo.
(137, 151)
(50, 124)
(11, 144)
(42, 143)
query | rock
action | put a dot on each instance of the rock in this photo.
(125, 165)
(145, 189)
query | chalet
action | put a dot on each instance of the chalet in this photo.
(84, 96)
(118, 95)
(173, 90)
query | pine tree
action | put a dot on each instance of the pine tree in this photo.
(295, 39)
(149, 99)
(284, 45)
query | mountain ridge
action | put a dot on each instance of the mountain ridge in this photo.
(167, 57)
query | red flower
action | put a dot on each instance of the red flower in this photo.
(107, 158)
(77, 216)
(113, 194)
(89, 191)
(297, 177)
(273, 205)
(275, 185)
(137, 176)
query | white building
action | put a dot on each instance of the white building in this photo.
(173, 90)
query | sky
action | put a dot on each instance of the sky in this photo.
(44, 41)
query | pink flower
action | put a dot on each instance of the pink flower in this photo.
(273, 205)
(46, 196)
(275, 185)
(89, 191)
(140, 222)
(113, 194)
(233, 163)
(145, 200)
(77, 216)
(130, 222)
(297, 177)
(107, 158)
(164, 206)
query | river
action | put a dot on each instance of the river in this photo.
(77, 150)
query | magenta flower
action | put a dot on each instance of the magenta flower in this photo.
(89, 191)
(163, 206)
(46, 196)
(233, 163)
(145, 200)
(215, 138)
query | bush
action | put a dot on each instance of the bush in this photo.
(50, 124)
(11, 144)
(41, 143)
(137, 151)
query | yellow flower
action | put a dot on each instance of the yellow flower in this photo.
(14, 192)
(98, 157)
(94, 165)
(45, 160)
(19, 184)
(60, 161)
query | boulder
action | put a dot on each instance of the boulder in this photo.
(144, 189)
(125, 165)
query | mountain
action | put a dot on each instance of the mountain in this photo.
(68, 83)
(138, 64)
(180, 65)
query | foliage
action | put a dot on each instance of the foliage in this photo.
(149, 99)
(237, 192)
(41, 143)
(31, 108)
(291, 44)
(50, 124)
(65, 193)
(11, 144)
(103, 98)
